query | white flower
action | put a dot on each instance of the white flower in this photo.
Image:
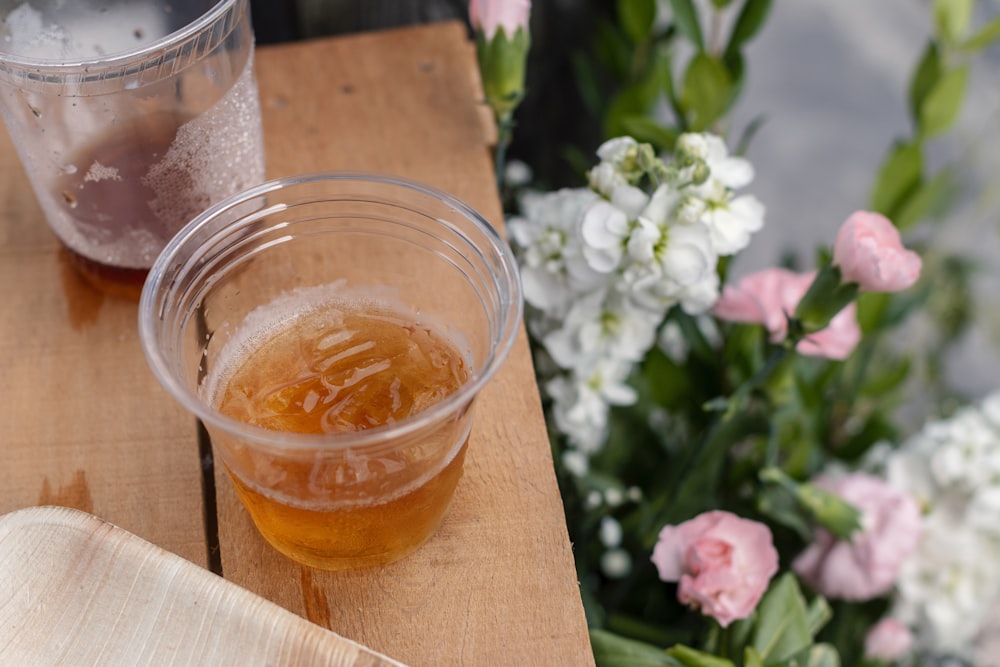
(604, 231)
(553, 268)
(610, 532)
(730, 220)
(582, 399)
(948, 588)
(616, 175)
(616, 150)
(602, 325)
(671, 264)
(576, 462)
(672, 343)
(732, 172)
(616, 563)
(517, 174)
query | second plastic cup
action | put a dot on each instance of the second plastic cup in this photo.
(332, 331)
(130, 118)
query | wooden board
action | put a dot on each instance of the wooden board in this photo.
(76, 590)
(85, 423)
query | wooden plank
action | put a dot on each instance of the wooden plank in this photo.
(79, 591)
(496, 585)
(85, 423)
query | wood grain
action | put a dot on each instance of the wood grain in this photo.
(84, 422)
(76, 590)
(496, 584)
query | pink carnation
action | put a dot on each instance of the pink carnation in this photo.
(770, 296)
(869, 252)
(723, 563)
(488, 16)
(888, 640)
(868, 565)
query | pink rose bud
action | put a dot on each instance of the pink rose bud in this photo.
(723, 563)
(488, 16)
(888, 641)
(869, 252)
(868, 565)
(769, 297)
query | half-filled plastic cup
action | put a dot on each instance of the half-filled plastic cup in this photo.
(332, 332)
(130, 118)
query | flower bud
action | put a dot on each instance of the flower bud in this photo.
(869, 252)
(502, 43)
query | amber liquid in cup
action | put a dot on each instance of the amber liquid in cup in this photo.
(339, 369)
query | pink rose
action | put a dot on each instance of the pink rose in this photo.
(722, 562)
(888, 640)
(770, 296)
(869, 252)
(487, 16)
(868, 565)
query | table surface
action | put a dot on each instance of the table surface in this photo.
(86, 424)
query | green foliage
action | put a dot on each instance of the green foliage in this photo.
(613, 651)
(638, 58)
(707, 423)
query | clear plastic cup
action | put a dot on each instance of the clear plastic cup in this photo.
(347, 271)
(130, 118)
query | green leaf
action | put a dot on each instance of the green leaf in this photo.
(924, 78)
(748, 23)
(780, 506)
(721, 4)
(686, 20)
(891, 374)
(636, 18)
(985, 37)
(952, 18)
(943, 102)
(751, 658)
(646, 130)
(871, 309)
(689, 657)
(820, 655)
(707, 91)
(783, 626)
(818, 614)
(638, 97)
(612, 49)
(930, 199)
(610, 650)
(633, 100)
(900, 173)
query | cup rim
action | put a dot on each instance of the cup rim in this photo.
(150, 311)
(118, 59)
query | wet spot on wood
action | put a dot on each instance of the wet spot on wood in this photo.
(76, 494)
(83, 301)
(314, 599)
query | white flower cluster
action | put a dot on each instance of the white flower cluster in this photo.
(601, 266)
(949, 588)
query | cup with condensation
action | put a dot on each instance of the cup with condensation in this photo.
(130, 117)
(332, 332)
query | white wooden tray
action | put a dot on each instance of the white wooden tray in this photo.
(76, 590)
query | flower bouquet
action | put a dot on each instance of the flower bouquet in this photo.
(736, 486)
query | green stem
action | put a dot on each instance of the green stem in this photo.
(505, 132)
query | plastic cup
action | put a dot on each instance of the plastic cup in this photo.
(130, 118)
(265, 261)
